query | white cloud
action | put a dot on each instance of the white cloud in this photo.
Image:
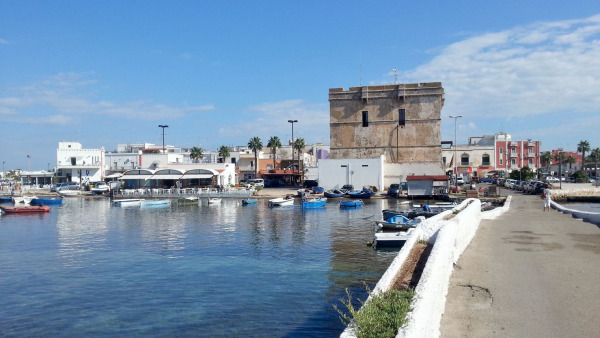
(73, 94)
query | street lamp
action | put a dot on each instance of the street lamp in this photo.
(454, 162)
(163, 126)
(293, 143)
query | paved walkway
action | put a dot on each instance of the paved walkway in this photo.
(528, 273)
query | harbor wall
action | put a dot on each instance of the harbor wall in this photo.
(587, 216)
(450, 237)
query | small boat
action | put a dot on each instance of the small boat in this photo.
(391, 239)
(398, 222)
(350, 203)
(24, 209)
(214, 200)
(302, 192)
(155, 203)
(67, 192)
(100, 188)
(5, 199)
(314, 202)
(365, 193)
(281, 201)
(47, 201)
(23, 199)
(130, 202)
(334, 193)
(318, 190)
(192, 200)
(247, 201)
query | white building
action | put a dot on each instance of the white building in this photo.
(75, 164)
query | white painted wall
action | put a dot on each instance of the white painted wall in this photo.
(334, 173)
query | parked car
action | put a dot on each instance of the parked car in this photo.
(394, 190)
(485, 180)
(460, 181)
(255, 182)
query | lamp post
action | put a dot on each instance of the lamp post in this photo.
(293, 143)
(560, 157)
(163, 126)
(454, 162)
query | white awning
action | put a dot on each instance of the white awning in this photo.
(135, 177)
(166, 177)
(115, 175)
(192, 176)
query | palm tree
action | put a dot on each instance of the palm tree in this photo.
(224, 153)
(595, 155)
(299, 145)
(547, 159)
(274, 143)
(582, 147)
(560, 158)
(196, 154)
(570, 160)
(255, 144)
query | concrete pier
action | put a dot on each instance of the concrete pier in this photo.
(528, 273)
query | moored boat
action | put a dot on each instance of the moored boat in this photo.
(66, 192)
(155, 203)
(391, 239)
(130, 202)
(192, 200)
(47, 201)
(398, 222)
(214, 200)
(24, 209)
(314, 202)
(247, 201)
(23, 199)
(5, 199)
(100, 188)
(334, 193)
(365, 193)
(281, 201)
(318, 190)
(351, 203)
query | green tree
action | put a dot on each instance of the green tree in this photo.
(523, 174)
(582, 147)
(196, 154)
(595, 155)
(560, 158)
(255, 144)
(274, 143)
(224, 153)
(299, 145)
(570, 160)
(547, 160)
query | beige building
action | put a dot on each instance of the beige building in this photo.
(401, 122)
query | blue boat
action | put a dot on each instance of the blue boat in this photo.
(334, 193)
(6, 199)
(314, 202)
(155, 203)
(365, 193)
(247, 201)
(47, 201)
(397, 222)
(318, 190)
(351, 203)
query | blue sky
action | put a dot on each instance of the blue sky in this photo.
(218, 73)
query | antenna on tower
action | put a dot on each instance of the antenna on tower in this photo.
(395, 76)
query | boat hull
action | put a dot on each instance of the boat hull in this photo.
(46, 201)
(247, 201)
(24, 209)
(351, 204)
(135, 202)
(314, 203)
(280, 202)
(391, 239)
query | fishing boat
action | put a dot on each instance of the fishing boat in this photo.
(214, 200)
(5, 199)
(281, 201)
(398, 222)
(130, 202)
(425, 210)
(47, 201)
(100, 188)
(24, 209)
(66, 192)
(350, 203)
(318, 190)
(192, 200)
(314, 202)
(391, 239)
(334, 193)
(247, 201)
(155, 203)
(23, 199)
(365, 193)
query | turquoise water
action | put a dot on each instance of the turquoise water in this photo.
(90, 269)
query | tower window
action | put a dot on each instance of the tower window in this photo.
(401, 117)
(365, 118)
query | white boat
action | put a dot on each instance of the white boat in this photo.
(131, 202)
(67, 192)
(23, 199)
(214, 200)
(391, 239)
(282, 201)
(155, 203)
(100, 188)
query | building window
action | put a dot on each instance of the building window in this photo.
(444, 160)
(485, 159)
(530, 161)
(530, 150)
(401, 117)
(500, 161)
(500, 150)
(513, 162)
(464, 160)
(513, 150)
(365, 118)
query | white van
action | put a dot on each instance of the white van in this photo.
(256, 182)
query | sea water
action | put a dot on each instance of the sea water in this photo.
(91, 269)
